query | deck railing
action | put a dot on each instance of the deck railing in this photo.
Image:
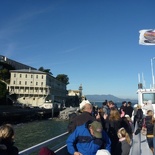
(55, 148)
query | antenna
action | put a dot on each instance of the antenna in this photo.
(140, 85)
(143, 80)
(138, 78)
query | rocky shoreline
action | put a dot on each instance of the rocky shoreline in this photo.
(15, 115)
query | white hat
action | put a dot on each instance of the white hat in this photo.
(83, 103)
(127, 115)
(103, 152)
(135, 106)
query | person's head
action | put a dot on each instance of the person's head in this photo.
(150, 113)
(111, 104)
(46, 151)
(7, 133)
(95, 129)
(105, 103)
(85, 105)
(114, 114)
(139, 106)
(100, 113)
(124, 103)
(128, 118)
(121, 133)
(129, 104)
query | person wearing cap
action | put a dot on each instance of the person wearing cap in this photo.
(87, 139)
(86, 115)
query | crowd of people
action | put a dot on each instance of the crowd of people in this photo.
(109, 130)
(106, 130)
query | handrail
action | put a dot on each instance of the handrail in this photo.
(43, 144)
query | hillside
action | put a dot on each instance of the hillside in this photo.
(102, 98)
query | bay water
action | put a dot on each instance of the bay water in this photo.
(32, 133)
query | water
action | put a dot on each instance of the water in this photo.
(29, 134)
(99, 104)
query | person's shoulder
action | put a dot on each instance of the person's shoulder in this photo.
(80, 128)
(125, 144)
(13, 150)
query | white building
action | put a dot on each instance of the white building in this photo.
(34, 88)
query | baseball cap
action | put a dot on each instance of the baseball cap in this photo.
(97, 128)
(83, 103)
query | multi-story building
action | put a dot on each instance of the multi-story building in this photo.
(34, 88)
(15, 64)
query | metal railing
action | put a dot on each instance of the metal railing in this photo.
(37, 147)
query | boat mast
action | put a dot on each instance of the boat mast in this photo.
(152, 71)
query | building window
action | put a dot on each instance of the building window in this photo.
(14, 82)
(37, 76)
(42, 76)
(26, 76)
(20, 75)
(19, 82)
(14, 75)
(42, 83)
(36, 83)
(25, 82)
(24, 98)
(31, 76)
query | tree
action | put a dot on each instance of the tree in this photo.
(5, 71)
(3, 90)
(4, 79)
(42, 69)
(63, 78)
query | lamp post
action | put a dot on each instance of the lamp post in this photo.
(152, 71)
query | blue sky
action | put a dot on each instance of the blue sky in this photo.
(94, 42)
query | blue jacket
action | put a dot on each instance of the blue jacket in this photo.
(82, 141)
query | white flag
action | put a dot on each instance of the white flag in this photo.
(147, 37)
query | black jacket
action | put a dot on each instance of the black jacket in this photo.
(8, 148)
(80, 120)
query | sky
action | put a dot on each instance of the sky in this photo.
(94, 42)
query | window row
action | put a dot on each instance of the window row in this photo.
(26, 76)
(26, 83)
